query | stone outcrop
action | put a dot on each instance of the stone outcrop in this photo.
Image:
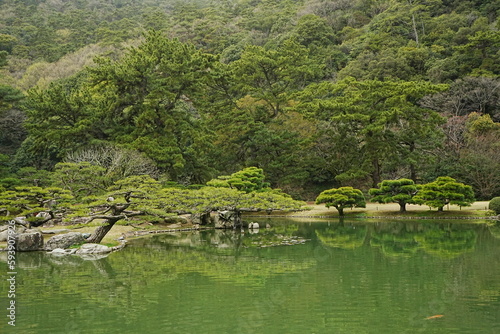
(65, 240)
(228, 219)
(86, 249)
(62, 252)
(62, 230)
(4, 233)
(181, 219)
(21, 221)
(30, 240)
(201, 218)
(253, 226)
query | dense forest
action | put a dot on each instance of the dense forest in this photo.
(316, 93)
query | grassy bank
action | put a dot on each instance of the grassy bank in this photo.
(476, 210)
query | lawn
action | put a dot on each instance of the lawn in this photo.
(478, 209)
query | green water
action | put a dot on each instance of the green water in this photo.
(355, 277)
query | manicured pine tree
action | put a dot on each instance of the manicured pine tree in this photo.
(443, 191)
(341, 198)
(395, 191)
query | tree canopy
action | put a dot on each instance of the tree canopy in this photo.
(395, 191)
(443, 191)
(341, 198)
(318, 94)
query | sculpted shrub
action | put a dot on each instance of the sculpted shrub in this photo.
(341, 198)
(445, 190)
(495, 205)
(398, 191)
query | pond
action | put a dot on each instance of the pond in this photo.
(296, 277)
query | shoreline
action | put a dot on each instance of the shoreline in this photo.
(477, 211)
(383, 217)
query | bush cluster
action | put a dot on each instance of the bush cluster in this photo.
(495, 205)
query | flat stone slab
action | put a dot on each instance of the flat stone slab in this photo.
(55, 231)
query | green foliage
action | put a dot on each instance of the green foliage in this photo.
(34, 177)
(209, 199)
(143, 198)
(4, 166)
(443, 191)
(341, 198)
(145, 103)
(313, 30)
(61, 117)
(272, 75)
(196, 117)
(250, 179)
(220, 182)
(12, 132)
(344, 237)
(375, 122)
(28, 201)
(9, 183)
(139, 101)
(81, 179)
(394, 191)
(3, 58)
(8, 96)
(494, 205)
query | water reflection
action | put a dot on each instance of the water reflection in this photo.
(345, 236)
(394, 239)
(403, 238)
(337, 277)
(494, 229)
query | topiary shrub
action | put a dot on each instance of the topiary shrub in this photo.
(495, 205)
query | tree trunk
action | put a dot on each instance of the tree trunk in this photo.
(413, 167)
(101, 231)
(415, 31)
(402, 207)
(341, 211)
(376, 173)
(414, 24)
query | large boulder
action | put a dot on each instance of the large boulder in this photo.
(5, 230)
(30, 240)
(93, 251)
(21, 221)
(253, 226)
(4, 233)
(201, 218)
(65, 240)
(228, 219)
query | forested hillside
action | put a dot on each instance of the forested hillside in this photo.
(318, 94)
